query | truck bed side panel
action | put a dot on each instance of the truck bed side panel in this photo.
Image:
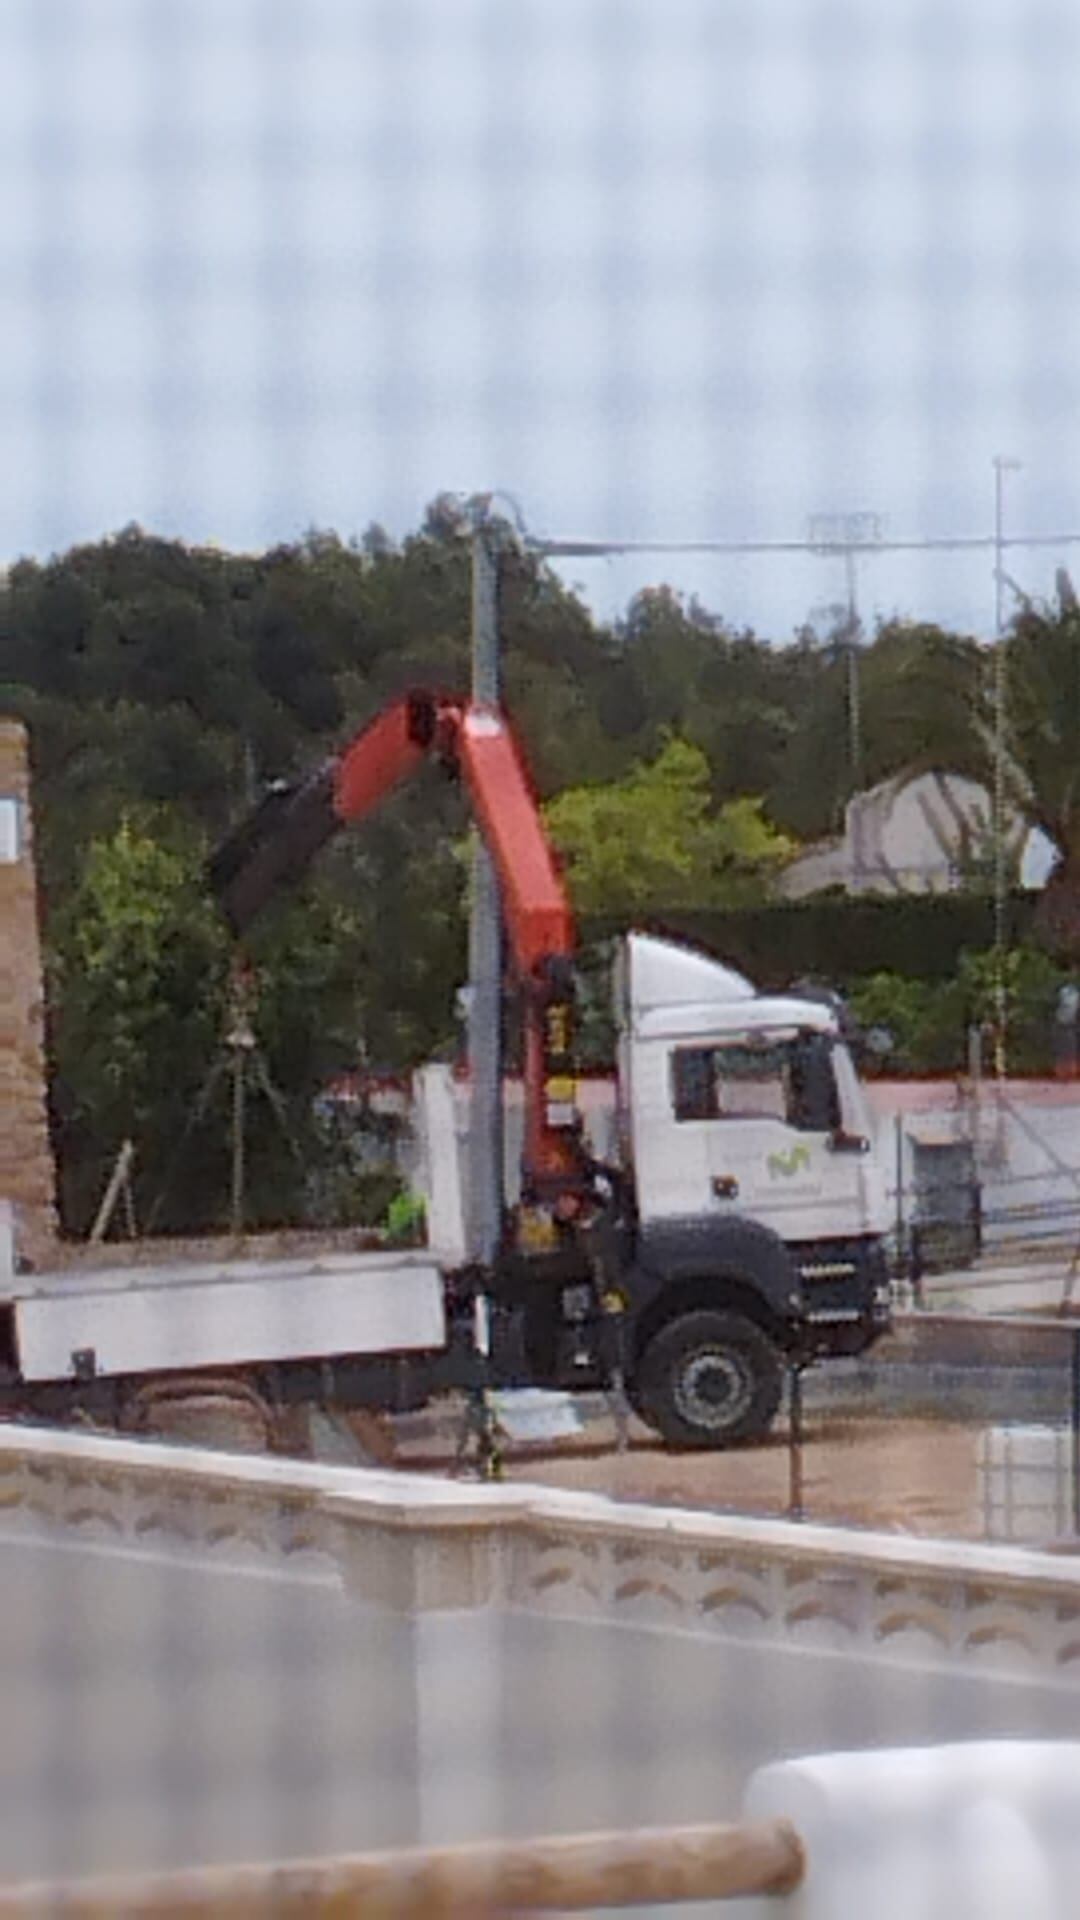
(230, 1322)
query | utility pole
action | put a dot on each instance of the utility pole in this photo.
(485, 1160)
(1002, 466)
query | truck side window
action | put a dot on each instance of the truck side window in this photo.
(694, 1083)
(814, 1101)
(787, 1080)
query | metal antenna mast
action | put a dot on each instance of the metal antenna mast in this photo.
(1002, 466)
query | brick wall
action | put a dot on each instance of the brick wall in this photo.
(27, 1175)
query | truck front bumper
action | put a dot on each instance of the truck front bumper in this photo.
(847, 1299)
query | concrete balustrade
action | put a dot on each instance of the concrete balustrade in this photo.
(421, 1545)
(987, 1827)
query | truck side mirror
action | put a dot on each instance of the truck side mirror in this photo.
(840, 1141)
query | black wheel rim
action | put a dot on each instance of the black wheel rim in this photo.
(713, 1389)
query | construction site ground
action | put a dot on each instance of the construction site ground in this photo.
(891, 1441)
(906, 1475)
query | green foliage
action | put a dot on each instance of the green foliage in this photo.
(136, 999)
(740, 700)
(1043, 695)
(924, 696)
(834, 938)
(1032, 984)
(930, 1020)
(924, 1019)
(655, 836)
(140, 1013)
(922, 707)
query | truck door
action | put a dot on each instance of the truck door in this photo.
(760, 1116)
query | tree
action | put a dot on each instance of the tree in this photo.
(1043, 714)
(924, 697)
(814, 778)
(923, 708)
(137, 971)
(751, 707)
(654, 839)
(140, 1011)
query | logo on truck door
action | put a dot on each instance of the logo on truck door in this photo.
(785, 1165)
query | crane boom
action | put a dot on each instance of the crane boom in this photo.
(474, 741)
(537, 911)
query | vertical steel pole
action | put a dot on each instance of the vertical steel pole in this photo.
(1000, 700)
(485, 938)
(903, 1262)
(795, 1442)
(236, 1207)
(854, 702)
(1075, 1413)
(1001, 1000)
(854, 690)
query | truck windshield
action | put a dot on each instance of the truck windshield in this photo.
(787, 1078)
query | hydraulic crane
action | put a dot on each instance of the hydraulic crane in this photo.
(475, 744)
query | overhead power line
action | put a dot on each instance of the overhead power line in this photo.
(946, 543)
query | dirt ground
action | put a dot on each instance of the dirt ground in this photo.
(901, 1475)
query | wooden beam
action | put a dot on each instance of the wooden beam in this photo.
(577, 1873)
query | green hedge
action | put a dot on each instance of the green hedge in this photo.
(835, 938)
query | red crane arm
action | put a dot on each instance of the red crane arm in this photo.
(537, 912)
(381, 756)
(477, 741)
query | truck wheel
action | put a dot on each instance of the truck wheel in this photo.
(708, 1379)
(201, 1412)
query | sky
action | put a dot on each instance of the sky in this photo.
(657, 269)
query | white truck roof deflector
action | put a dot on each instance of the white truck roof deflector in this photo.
(660, 974)
(760, 1016)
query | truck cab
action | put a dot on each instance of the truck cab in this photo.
(758, 1194)
(739, 1104)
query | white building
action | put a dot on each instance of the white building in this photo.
(920, 834)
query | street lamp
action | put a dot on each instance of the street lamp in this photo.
(845, 534)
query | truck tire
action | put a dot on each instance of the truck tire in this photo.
(709, 1379)
(201, 1412)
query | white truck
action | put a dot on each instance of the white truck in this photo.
(739, 1226)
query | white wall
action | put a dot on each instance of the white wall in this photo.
(1027, 1147)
